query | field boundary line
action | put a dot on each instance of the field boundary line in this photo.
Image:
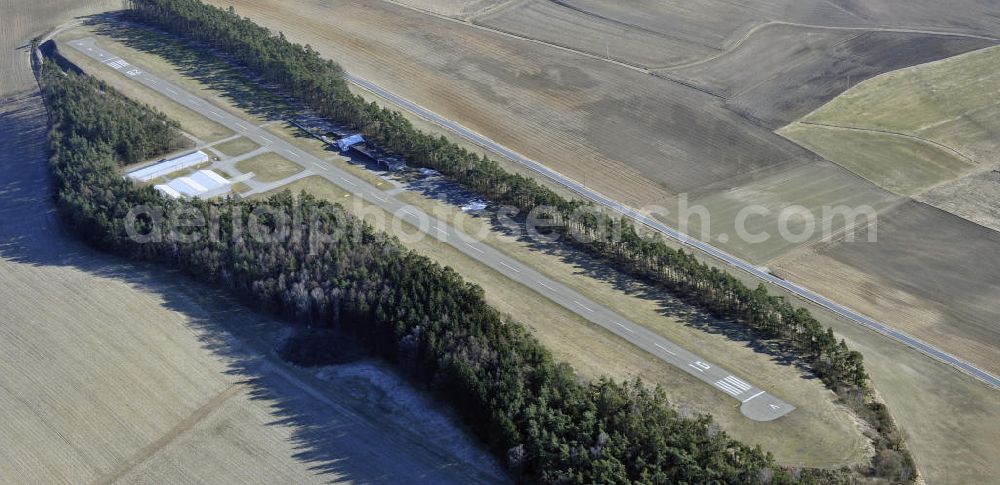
(750, 33)
(184, 425)
(891, 133)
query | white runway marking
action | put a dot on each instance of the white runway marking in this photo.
(732, 391)
(505, 265)
(171, 91)
(379, 197)
(348, 181)
(671, 352)
(700, 366)
(737, 383)
(583, 306)
(292, 154)
(473, 247)
(546, 286)
(442, 231)
(622, 325)
(751, 397)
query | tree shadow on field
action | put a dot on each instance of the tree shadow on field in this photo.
(201, 62)
(669, 303)
(240, 87)
(333, 430)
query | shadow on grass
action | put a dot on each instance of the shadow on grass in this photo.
(337, 435)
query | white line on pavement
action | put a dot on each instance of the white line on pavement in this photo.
(728, 388)
(751, 397)
(505, 265)
(348, 181)
(473, 247)
(583, 306)
(671, 352)
(739, 383)
(626, 327)
(546, 286)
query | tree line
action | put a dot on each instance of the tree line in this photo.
(319, 83)
(536, 415)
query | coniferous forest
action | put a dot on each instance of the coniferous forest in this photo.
(535, 414)
(319, 83)
(530, 410)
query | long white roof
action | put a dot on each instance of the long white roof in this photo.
(167, 166)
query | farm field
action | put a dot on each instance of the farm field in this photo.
(552, 22)
(811, 192)
(633, 136)
(110, 369)
(106, 363)
(782, 72)
(900, 164)
(931, 274)
(948, 109)
(973, 197)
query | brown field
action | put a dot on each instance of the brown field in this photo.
(783, 72)
(631, 135)
(455, 8)
(930, 274)
(21, 24)
(114, 372)
(810, 187)
(946, 110)
(973, 197)
(554, 23)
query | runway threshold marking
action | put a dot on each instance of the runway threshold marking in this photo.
(751, 397)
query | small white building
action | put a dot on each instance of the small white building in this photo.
(200, 183)
(167, 190)
(165, 167)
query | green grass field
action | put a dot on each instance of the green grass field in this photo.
(237, 147)
(945, 114)
(268, 167)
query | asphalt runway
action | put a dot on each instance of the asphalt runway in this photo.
(583, 191)
(755, 403)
